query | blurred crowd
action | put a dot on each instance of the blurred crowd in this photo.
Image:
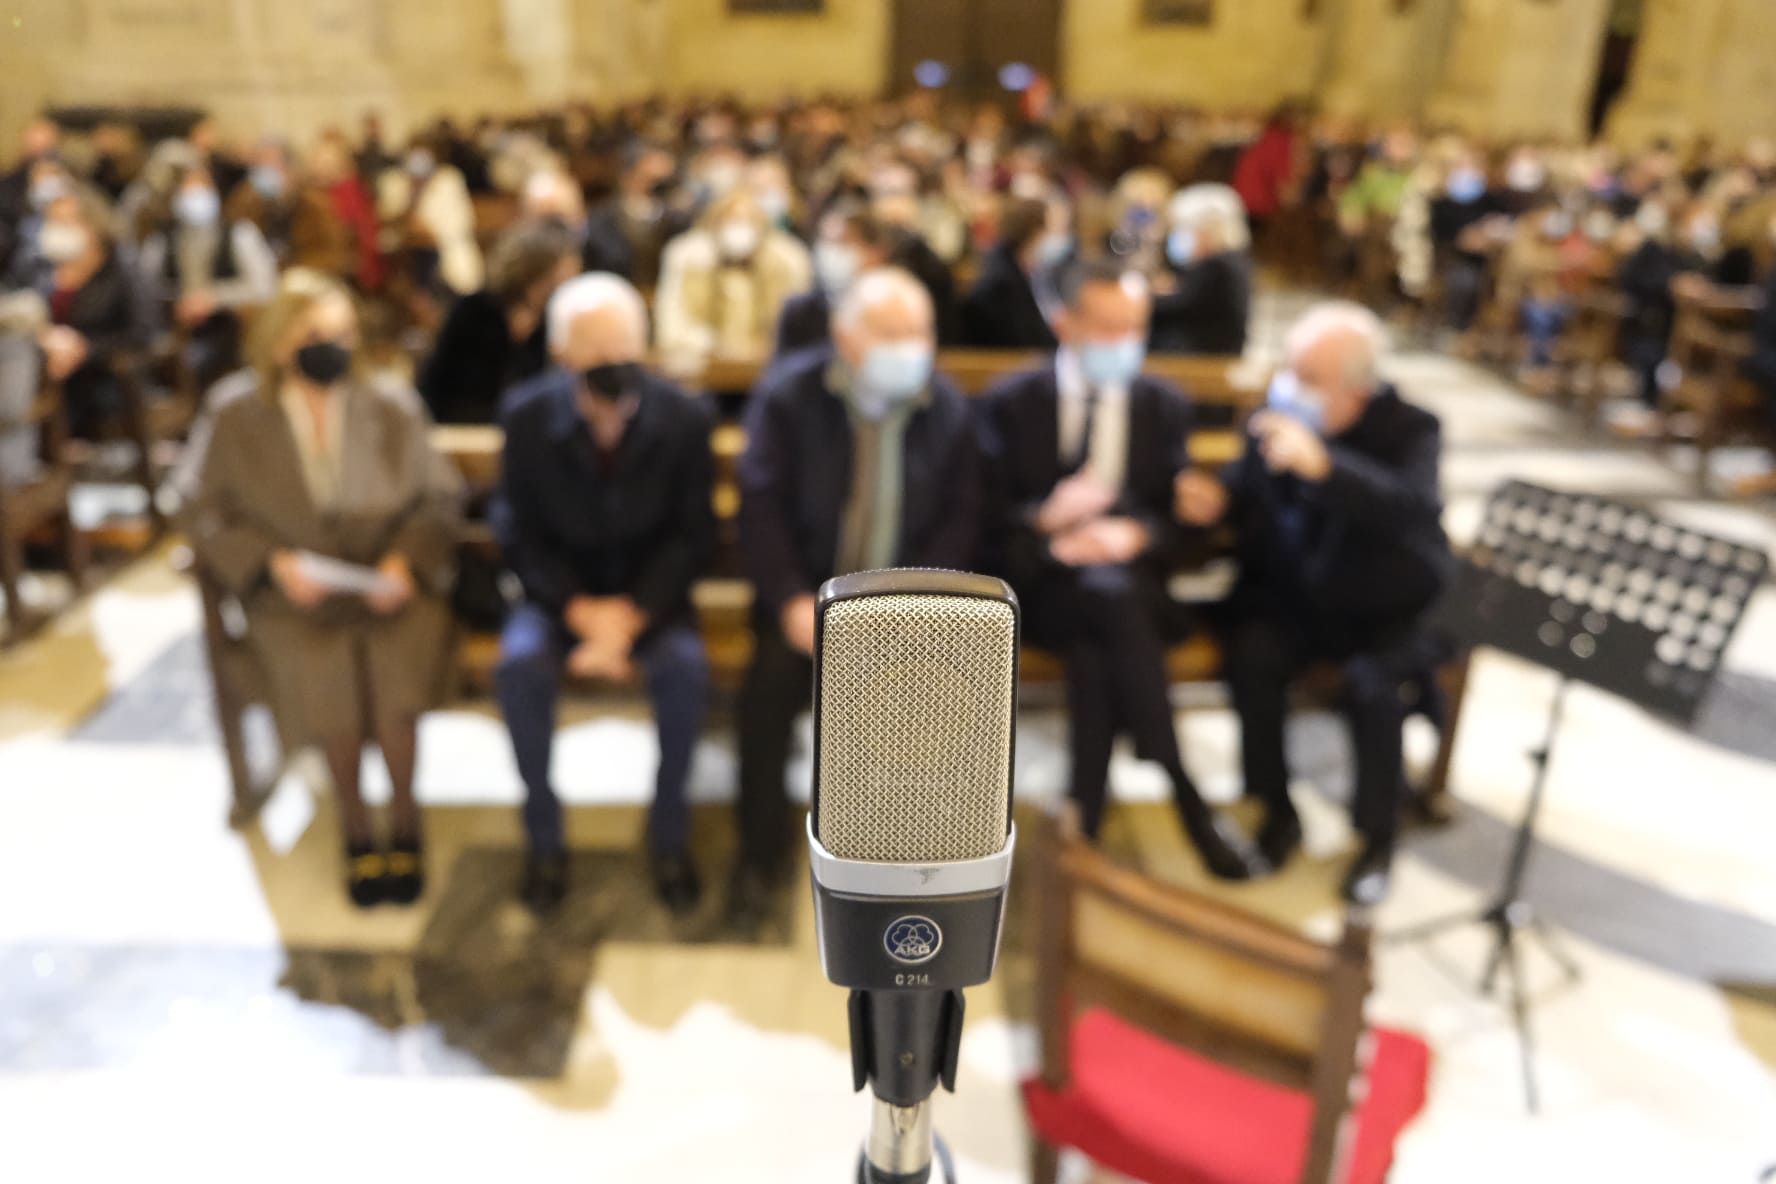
(553, 273)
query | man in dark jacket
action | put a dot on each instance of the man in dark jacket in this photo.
(628, 233)
(604, 514)
(1003, 310)
(1338, 514)
(1081, 456)
(858, 457)
(850, 243)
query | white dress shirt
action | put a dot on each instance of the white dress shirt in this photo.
(1108, 461)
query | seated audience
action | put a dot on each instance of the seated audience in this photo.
(1009, 304)
(1337, 512)
(269, 195)
(628, 233)
(858, 457)
(425, 202)
(334, 229)
(850, 243)
(1203, 299)
(495, 338)
(604, 514)
(1465, 223)
(95, 313)
(201, 264)
(1081, 454)
(300, 460)
(724, 284)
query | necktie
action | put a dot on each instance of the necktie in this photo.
(1082, 454)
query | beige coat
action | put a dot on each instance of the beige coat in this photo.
(703, 308)
(335, 671)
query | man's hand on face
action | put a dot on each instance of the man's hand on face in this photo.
(1290, 446)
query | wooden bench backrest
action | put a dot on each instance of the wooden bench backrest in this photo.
(1236, 988)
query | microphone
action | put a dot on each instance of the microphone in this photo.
(910, 836)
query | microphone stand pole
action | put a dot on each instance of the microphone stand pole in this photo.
(902, 1148)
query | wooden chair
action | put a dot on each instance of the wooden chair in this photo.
(159, 407)
(39, 510)
(1183, 1040)
(1710, 343)
(237, 685)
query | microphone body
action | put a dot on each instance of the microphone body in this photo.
(910, 837)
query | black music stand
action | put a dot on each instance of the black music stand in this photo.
(1605, 593)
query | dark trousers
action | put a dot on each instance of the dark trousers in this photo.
(779, 686)
(1264, 655)
(533, 651)
(1104, 623)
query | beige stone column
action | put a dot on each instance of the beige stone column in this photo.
(1384, 63)
(1521, 67)
(1701, 66)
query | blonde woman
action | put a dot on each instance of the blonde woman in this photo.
(301, 462)
(723, 284)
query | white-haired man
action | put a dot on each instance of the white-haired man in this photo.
(858, 456)
(1338, 514)
(604, 514)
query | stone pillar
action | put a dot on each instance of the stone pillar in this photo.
(1521, 67)
(1701, 66)
(1384, 63)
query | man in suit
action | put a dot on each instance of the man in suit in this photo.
(1338, 514)
(850, 243)
(858, 457)
(1081, 457)
(604, 514)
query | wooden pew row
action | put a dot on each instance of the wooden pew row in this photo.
(1710, 343)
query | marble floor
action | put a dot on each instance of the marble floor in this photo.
(181, 997)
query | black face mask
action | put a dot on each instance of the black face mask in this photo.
(613, 380)
(323, 362)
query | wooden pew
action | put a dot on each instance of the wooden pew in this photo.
(1710, 343)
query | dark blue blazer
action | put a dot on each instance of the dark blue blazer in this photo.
(796, 476)
(636, 523)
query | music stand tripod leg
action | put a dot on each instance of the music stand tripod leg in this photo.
(1509, 913)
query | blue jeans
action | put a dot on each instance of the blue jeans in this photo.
(1543, 322)
(533, 651)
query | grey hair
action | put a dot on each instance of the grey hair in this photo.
(1343, 317)
(1214, 206)
(875, 286)
(589, 293)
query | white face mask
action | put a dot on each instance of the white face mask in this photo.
(835, 265)
(60, 242)
(737, 240)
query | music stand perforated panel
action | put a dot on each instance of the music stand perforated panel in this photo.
(1605, 592)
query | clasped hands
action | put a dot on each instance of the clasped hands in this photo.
(1081, 531)
(606, 628)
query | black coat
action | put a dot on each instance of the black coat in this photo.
(805, 322)
(913, 253)
(796, 477)
(475, 359)
(108, 311)
(1208, 312)
(1362, 553)
(1020, 441)
(609, 246)
(1000, 311)
(636, 523)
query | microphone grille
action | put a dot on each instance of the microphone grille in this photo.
(917, 693)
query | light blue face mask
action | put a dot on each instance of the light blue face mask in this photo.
(891, 375)
(1053, 248)
(1181, 247)
(1290, 397)
(198, 207)
(1467, 185)
(1112, 363)
(268, 181)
